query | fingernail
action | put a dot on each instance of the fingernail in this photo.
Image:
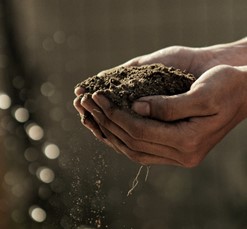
(79, 90)
(142, 108)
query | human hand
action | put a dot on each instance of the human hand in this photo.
(191, 59)
(194, 60)
(181, 129)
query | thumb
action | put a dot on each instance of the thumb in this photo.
(171, 108)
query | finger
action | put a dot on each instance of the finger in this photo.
(185, 136)
(88, 104)
(78, 106)
(108, 142)
(79, 90)
(84, 114)
(90, 124)
(139, 157)
(137, 145)
(137, 127)
(176, 107)
(86, 117)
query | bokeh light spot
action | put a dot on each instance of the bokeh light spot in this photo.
(37, 214)
(51, 151)
(47, 89)
(5, 101)
(45, 174)
(34, 131)
(21, 114)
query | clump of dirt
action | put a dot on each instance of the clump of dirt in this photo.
(124, 85)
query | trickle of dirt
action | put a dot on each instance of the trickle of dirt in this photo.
(124, 85)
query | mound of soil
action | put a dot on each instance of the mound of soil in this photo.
(123, 85)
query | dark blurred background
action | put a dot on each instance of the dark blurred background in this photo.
(53, 172)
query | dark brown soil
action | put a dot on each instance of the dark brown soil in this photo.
(123, 85)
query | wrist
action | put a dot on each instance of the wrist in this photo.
(234, 53)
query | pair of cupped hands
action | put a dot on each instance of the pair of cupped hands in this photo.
(180, 129)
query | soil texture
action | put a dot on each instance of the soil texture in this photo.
(124, 85)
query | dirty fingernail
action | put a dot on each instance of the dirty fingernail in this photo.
(142, 108)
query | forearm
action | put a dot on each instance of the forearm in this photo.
(234, 53)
